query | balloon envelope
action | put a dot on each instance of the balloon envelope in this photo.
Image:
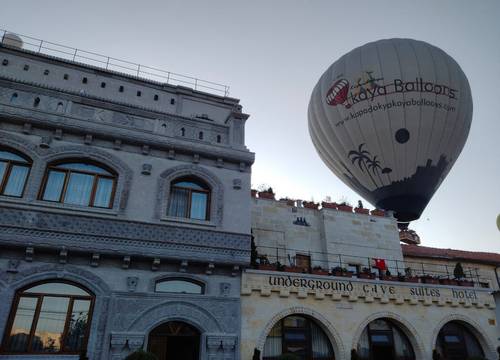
(389, 119)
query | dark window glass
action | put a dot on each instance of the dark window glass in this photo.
(189, 198)
(79, 184)
(179, 286)
(300, 336)
(383, 339)
(51, 317)
(14, 170)
(456, 342)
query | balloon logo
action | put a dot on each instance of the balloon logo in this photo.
(393, 123)
(338, 93)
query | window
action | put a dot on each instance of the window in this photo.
(189, 198)
(303, 262)
(14, 170)
(50, 317)
(181, 286)
(455, 341)
(79, 183)
(382, 339)
(300, 336)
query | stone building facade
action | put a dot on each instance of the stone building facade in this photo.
(124, 214)
(318, 289)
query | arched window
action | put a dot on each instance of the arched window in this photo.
(456, 342)
(300, 336)
(79, 183)
(189, 198)
(179, 285)
(383, 340)
(14, 170)
(49, 317)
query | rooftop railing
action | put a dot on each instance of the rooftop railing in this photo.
(113, 64)
(343, 265)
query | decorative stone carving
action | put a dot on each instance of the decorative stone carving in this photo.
(220, 163)
(146, 169)
(184, 265)
(45, 142)
(58, 134)
(171, 154)
(210, 269)
(87, 140)
(237, 184)
(94, 262)
(126, 262)
(156, 264)
(119, 237)
(225, 289)
(29, 253)
(12, 265)
(117, 145)
(145, 149)
(132, 282)
(63, 256)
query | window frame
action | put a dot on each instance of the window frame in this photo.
(10, 163)
(39, 296)
(306, 330)
(67, 174)
(188, 280)
(197, 181)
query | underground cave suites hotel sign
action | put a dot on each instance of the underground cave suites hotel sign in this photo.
(354, 290)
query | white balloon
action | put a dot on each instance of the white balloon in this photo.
(389, 119)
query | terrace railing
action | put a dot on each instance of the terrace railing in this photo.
(281, 259)
(39, 46)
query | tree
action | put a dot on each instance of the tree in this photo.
(459, 271)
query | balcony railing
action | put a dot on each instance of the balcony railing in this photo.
(320, 263)
(39, 46)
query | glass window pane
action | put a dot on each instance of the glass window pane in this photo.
(179, 286)
(103, 192)
(77, 327)
(50, 325)
(190, 185)
(23, 320)
(84, 167)
(199, 206)
(54, 186)
(79, 189)
(17, 179)
(178, 202)
(56, 288)
(295, 322)
(7, 155)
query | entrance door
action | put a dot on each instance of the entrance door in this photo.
(175, 340)
(382, 345)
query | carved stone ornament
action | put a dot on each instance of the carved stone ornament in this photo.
(132, 282)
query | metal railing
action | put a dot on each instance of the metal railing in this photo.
(402, 270)
(113, 64)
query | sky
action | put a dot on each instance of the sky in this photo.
(272, 52)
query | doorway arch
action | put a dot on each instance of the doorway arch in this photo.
(175, 340)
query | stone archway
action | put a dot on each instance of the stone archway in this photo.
(174, 340)
(326, 326)
(405, 326)
(487, 346)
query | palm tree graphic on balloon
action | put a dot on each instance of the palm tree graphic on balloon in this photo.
(363, 159)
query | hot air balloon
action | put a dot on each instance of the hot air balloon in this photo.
(390, 119)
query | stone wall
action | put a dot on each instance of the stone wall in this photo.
(343, 308)
(323, 234)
